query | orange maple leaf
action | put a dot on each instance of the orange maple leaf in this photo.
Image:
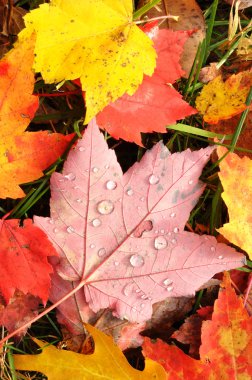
(226, 344)
(236, 178)
(23, 155)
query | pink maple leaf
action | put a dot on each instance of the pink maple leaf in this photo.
(121, 236)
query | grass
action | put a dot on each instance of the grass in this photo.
(68, 111)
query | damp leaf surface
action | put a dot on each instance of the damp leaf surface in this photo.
(122, 236)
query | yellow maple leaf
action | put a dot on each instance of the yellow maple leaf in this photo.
(221, 100)
(107, 361)
(236, 178)
(94, 40)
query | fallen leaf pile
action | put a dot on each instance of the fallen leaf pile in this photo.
(116, 248)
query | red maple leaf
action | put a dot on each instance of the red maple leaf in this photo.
(156, 103)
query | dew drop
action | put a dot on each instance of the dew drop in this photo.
(190, 182)
(149, 298)
(142, 199)
(106, 166)
(105, 207)
(172, 215)
(142, 305)
(101, 252)
(111, 185)
(136, 261)
(70, 229)
(176, 230)
(81, 148)
(212, 248)
(51, 221)
(95, 170)
(138, 290)
(220, 257)
(55, 230)
(170, 288)
(144, 297)
(160, 242)
(167, 281)
(174, 241)
(127, 289)
(70, 176)
(96, 222)
(153, 179)
(92, 246)
(116, 263)
(129, 192)
(162, 231)
(79, 200)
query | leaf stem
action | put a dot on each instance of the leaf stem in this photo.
(157, 18)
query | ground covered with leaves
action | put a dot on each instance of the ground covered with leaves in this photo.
(125, 189)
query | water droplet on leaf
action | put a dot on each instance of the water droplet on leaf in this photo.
(95, 170)
(70, 229)
(96, 222)
(127, 289)
(160, 242)
(101, 252)
(129, 192)
(111, 185)
(167, 282)
(212, 248)
(153, 179)
(70, 176)
(81, 148)
(176, 230)
(190, 182)
(172, 215)
(220, 257)
(92, 246)
(105, 207)
(169, 289)
(136, 260)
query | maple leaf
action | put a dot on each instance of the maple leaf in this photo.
(222, 100)
(226, 344)
(20, 309)
(155, 104)
(57, 364)
(97, 42)
(121, 236)
(23, 256)
(190, 331)
(23, 155)
(236, 178)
